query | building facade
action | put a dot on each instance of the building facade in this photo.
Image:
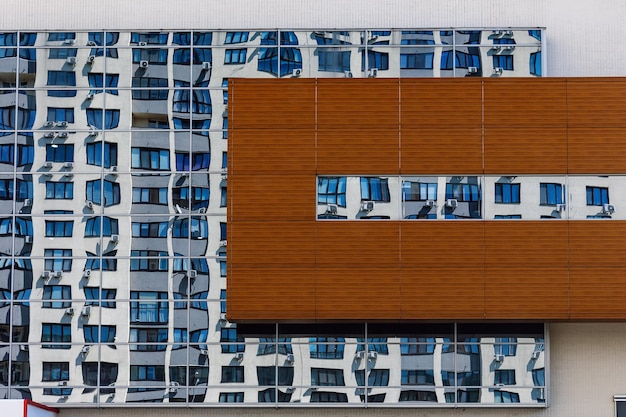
(114, 166)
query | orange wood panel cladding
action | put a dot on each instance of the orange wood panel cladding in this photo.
(283, 265)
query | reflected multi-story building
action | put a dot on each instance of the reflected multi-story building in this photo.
(113, 173)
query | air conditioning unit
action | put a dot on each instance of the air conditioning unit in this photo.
(46, 274)
(202, 210)
(69, 41)
(509, 48)
(89, 204)
(372, 355)
(495, 49)
(28, 239)
(68, 165)
(239, 356)
(223, 318)
(86, 273)
(290, 358)
(57, 274)
(223, 243)
(498, 358)
(113, 168)
(193, 274)
(28, 202)
(68, 175)
(48, 135)
(71, 60)
(373, 73)
(472, 70)
(348, 74)
(61, 124)
(608, 208)
(206, 66)
(535, 354)
(497, 32)
(143, 64)
(452, 203)
(89, 96)
(62, 383)
(48, 124)
(429, 203)
(560, 207)
(64, 397)
(115, 238)
(93, 133)
(332, 209)
(497, 71)
(69, 311)
(48, 164)
(290, 390)
(296, 72)
(86, 311)
(359, 355)
(91, 59)
(23, 348)
(204, 352)
(85, 350)
(141, 43)
(173, 387)
(508, 33)
(367, 205)
(62, 135)
(92, 43)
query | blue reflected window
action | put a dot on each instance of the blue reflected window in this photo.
(191, 198)
(290, 59)
(62, 78)
(108, 262)
(504, 377)
(200, 161)
(550, 193)
(96, 154)
(506, 193)
(149, 307)
(57, 333)
(62, 53)
(539, 377)
(224, 160)
(199, 338)
(506, 346)
(145, 195)
(326, 347)
(508, 216)
(379, 60)
(109, 119)
(97, 191)
(467, 59)
(223, 303)
(331, 190)
(58, 260)
(59, 190)
(146, 339)
(222, 268)
(58, 228)
(417, 377)
(375, 344)
(100, 39)
(148, 260)
(57, 292)
(99, 334)
(61, 36)
(180, 338)
(535, 34)
(182, 264)
(93, 295)
(503, 61)
(60, 153)
(333, 61)
(417, 346)
(224, 196)
(153, 38)
(24, 189)
(199, 300)
(61, 114)
(417, 61)
(152, 230)
(148, 158)
(25, 154)
(200, 102)
(153, 56)
(94, 225)
(231, 343)
(376, 377)
(235, 56)
(147, 373)
(149, 88)
(375, 189)
(500, 396)
(597, 196)
(504, 41)
(232, 374)
(25, 119)
(419, 191)
(98, 80)
(327, 377)
(186, 124)
(199, 228)
(535, 63)
(236, 37)
(55, 371)
(267, 345)
(463, 192)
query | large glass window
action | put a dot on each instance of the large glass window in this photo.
(59, 334)
(107, 119)
(506, 193)
(550, 194)
(59, 228)
(152, 159)
(57, 292)
(60, 152)
(149, 307)
(97, 191)
(597, 196)
(101, 226)
(98, 156)
(58, 260)
(59, 190)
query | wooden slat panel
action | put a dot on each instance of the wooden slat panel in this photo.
(442, 244)
(285, 293)
(598, 293)
(358, 244)
(268, 104)
(596, 150)
(440, 103)
(276, 243)
(346, 293)
(441, 151)
(272, 197)
(443, 292)
(526, 293)
(271, 151)
(525, 243)
(524, 102)
(598, 102)
(597, 244)
(525, 150)
(367, 103)
(355, 152)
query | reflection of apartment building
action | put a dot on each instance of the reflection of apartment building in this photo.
(115, 180)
